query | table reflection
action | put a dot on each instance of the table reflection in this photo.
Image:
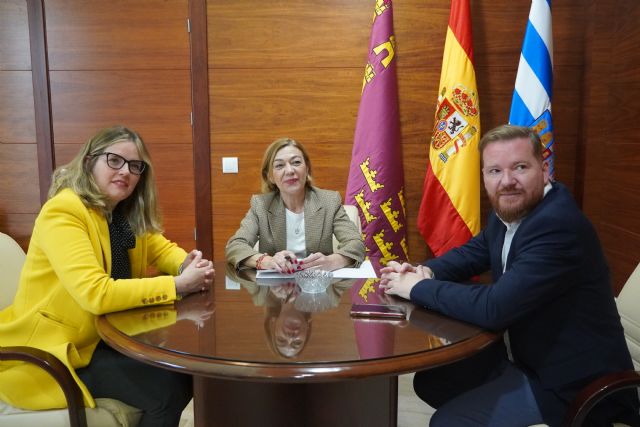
(287, 310)
(242, 322)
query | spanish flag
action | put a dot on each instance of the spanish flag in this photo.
(450, 208)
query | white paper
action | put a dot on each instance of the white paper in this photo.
(365, 271)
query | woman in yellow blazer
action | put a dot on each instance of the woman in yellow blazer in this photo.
(90, 249)
(294, 221)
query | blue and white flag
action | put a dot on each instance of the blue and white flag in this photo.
(531, 104)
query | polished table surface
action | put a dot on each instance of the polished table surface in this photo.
(270, 332)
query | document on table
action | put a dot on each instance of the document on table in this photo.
(365, 271)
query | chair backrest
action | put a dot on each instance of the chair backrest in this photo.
(11, 261)
(352, 213)
(629, 310)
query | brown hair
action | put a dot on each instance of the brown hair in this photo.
(270, 155)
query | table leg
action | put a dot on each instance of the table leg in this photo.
(362, 402)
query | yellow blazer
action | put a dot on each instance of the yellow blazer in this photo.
(65, 283)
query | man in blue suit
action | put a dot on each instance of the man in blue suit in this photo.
(550, 293)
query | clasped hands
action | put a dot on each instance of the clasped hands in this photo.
(398, 279)
(198, 309)
(196, 274)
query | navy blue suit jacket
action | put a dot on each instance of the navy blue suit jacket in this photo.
(555, 296)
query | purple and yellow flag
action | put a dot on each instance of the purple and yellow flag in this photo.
(376, 177)
(374, 338)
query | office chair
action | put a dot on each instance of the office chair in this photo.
(107, 413)
(600, 388)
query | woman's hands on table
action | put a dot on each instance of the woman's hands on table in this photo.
(196, 274)
(283, 262)
(196, 308)
(287, 262)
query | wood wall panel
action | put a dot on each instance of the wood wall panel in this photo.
(17, 120)
(257, 105)
(498, 31)
(127, 63)
(598, 66)
(19, 183)
(14, 36)
(620, 250)
(155, 103)
(622, 203)
(292, 34)
(612, 87)
(17, 225)
(623, 118)
(117, 34)
(19, 191)
(417, 23)
(566, 121)
(174, 177)
(414, 162)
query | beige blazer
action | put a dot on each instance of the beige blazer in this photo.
(324, 217)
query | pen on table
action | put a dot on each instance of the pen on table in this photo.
(291, 260)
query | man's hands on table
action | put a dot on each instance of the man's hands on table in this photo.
(398, 279)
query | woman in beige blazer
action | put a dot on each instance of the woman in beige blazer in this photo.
(293, 221)
(88, 255)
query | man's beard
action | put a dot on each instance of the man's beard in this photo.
(514, 212)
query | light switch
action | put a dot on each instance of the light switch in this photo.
(231, 284)
(229, 165)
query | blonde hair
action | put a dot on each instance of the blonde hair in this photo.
(270, 155)
(272, 310)
(140, 208)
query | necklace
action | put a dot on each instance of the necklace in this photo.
(298, 225)
(296, 222)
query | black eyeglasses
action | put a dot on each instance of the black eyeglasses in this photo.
(115, 161)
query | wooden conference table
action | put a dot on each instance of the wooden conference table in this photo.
(268, 355)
